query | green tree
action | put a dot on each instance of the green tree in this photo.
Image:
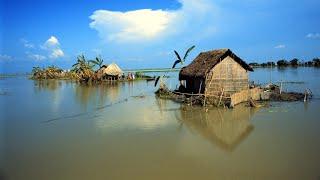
(179, 60)
(294, 62)
(316, 62)
(182, 60)
(36, 70)
(282, 63)
(83, 67)
(97, 61)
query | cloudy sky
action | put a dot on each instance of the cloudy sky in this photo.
(144, 33)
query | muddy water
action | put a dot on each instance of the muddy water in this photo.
(62, 130)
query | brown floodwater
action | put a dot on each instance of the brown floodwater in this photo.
(56, 130)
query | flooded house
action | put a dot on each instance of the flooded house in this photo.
(218, 74)
(110, 72)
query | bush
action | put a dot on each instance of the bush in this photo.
(282, 63)
(294, 62)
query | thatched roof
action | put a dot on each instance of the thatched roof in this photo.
(205, 61)
(112, 70)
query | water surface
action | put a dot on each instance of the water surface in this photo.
(64, 130)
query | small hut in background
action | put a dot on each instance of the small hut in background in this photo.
(218, 74)
(110, 72)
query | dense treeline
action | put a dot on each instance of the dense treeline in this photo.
(315, 62)
(83, 69)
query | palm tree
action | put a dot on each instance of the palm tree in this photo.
(83, 67)
(36, 70)
(179, 60)
(97, 61)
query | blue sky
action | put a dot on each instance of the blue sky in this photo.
(144, 33)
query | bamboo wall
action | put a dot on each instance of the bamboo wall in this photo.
(244, 95)
(228, 75)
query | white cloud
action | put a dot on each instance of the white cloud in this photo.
(97, 51)
(52, 45)
(313, 35)
(4, 57)
(147, 24)
(280, 46)
(56, 53)
(52, 42)
(36, 57)
(49, 49)
(27, 44)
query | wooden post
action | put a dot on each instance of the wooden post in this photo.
(200, 87)
(305, 96)
(221, 96)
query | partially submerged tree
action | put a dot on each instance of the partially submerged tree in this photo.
(97, 61)
(316, 62)
(294, 62)
(282, 63)
(36, 70)
(83, 67)
(177, 61)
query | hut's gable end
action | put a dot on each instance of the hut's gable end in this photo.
(228, 75)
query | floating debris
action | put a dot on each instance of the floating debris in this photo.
(255, 97)
(139, 96)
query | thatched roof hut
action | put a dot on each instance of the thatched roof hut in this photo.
(205, 61)
(214, 73)
(112, 70)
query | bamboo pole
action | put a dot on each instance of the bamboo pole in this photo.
(200, 87)
(200, 95)
(221, 96)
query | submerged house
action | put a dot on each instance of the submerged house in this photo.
(110, 72)
(217, 73)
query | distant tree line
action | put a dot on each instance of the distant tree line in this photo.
(315, 62)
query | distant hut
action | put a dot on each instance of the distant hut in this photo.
(109, 72)
(217, 73)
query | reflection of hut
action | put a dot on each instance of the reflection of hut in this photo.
(214, 72)
(113, 91)
(224, 128)
(110, 72)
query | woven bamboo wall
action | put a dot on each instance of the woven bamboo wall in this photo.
(244, 95)
(227, 75)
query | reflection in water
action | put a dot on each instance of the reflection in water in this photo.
(140, 115)
(52, 86)
(224, 127)
(98, 93)
(46, 85)
(138, 138)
